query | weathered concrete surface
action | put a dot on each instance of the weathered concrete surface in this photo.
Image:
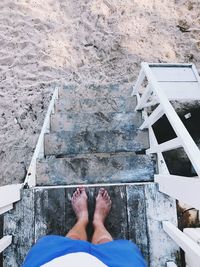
(136, 214)
(1, 235)
(95, 90)
(65, 143)
(50, 212)
(94, 121)
(20, 223)
(105, 104)
(160, 207)
(137, 220)
(103, 168)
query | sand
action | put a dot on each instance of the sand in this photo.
(44, 42)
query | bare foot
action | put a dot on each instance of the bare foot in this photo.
(79, 204)
(103, 206)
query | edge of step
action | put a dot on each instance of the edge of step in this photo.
(73, 121)
(103, 104)
(67, 142)
(96, 168)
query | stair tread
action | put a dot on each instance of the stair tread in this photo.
(98, 168)
(103, 104)
(95, 90)
(98, 120)
(68, 142)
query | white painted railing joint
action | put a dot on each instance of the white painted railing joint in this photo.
(5, 242)
(9, 194)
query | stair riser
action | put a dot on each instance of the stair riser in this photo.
(95, 142)
(95, 169)
(104, 105)
(93, 91)
(95, 121)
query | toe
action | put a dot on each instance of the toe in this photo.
(105, 194)
(101, 191)
(81, 189)
(78, 191)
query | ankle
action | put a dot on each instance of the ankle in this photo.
(83, 221)
(97, 223)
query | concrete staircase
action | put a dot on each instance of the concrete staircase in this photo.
(94, 139)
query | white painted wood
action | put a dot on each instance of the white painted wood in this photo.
(166, 146)
(162, 166)
(39, 150)
(6, 208)
(181, 65)
(151, 103)
(181, 90)
(174, 74)
(155, 115)
(145, 96)
(196, 73)
(138, 97)
(182, 188)
(186, 140)
(91, 185)
(193, 233)
(9, 194)
(139, 81)
(186, 243)
(5, 242)
(171, 264)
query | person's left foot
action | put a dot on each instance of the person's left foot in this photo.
(79, 204)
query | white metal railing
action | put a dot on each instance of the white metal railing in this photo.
(171, 264)
(194, 234)
(39, 150)
(186, 243)
(9, 194)
(165, 82)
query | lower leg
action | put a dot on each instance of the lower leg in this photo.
(103, 206)
(79, 204)
(101, 235)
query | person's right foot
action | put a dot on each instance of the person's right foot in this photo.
(103, 206)
(79, 204)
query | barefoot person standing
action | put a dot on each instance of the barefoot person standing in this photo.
(75, 251)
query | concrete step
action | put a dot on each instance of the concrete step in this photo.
(95, 168)
(67, 142)
(137, 214)
(94, 121)
(95, 90)
(104, 104)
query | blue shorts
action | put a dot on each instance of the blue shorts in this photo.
(118, 253)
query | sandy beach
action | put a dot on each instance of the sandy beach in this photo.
(48, 42)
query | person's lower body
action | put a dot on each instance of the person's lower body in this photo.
(79, 204)
(116, 253)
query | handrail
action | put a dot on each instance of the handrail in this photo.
(183, 138)
(179, 187)
(39, 150)
(9, 194)
(5, 242)
(185, 189)
(185, 242)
